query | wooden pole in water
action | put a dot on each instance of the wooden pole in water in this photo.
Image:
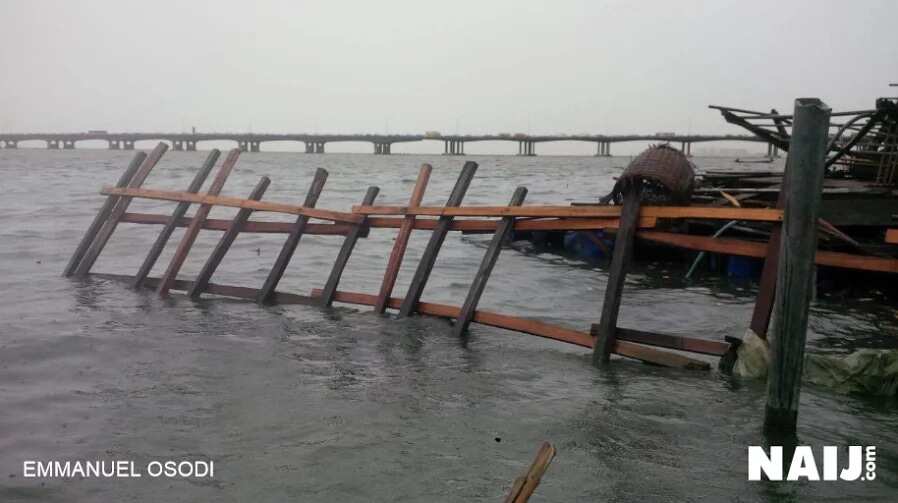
(429, 258)
(807, 152)
(401, 242)
(105, 232)
(623, 249)
(224, 244)
(180, 210)
(103, 215)
(333, 280)
(283, 260)
(171, 273)
(503, 231)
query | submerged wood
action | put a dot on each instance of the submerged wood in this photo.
(333, 280)
(258, 227)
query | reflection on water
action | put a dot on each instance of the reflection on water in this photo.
(297, 403)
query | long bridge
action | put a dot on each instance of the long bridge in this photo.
(382, 143)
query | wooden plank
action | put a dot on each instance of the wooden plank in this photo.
(238, 292)
(760, 318)
(190, 234)
(180, 211)
(333, 280)
(102, 216)
(892, 236)
(708, 212)
(286, 253)
(236, 202)
(620, 260)
(105, 232)
(679, 342)
(524, 486)
(224, 244)
(257, 227)
(503, 232)
(489, 226)
(429, 258)
(394, 263)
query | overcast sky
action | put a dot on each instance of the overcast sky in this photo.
(598, 66)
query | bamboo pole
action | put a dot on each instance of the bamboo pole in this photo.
(333, 280)
(807, 153)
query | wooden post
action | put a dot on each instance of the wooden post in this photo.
(807, 152)
(105, 232)
(227, 239)
(330, 288)
(102, 216)
(180, 210)
(429, 258)
(401, 242)
(503, 231)
(190, 234)
(283, 260)
(623, 249)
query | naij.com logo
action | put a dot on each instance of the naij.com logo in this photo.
(859, 463)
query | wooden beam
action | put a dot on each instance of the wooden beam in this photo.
(678, 342)
(333, 280)
(489, 226)
(707, 212)
(503, 232)
(224, 244)
(407, 223)
(617, 273)
(102, 216)
(105, 232)
(892, 236)
(187, 240)
(283, 260)
(236, 202)
(429, 258)
(180, 210)
(256, 227)
(524, 486)
(238, 292)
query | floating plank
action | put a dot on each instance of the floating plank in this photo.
(399, 245)
(187, 240)
(333, 280)
(524, 486)
(503, 232)
(286, 253)
(105, 232)
(224, 244)
(102, 215)
(235, 202)
(429, 257)
(180, 211)
(679, 342)
(258, 227)
(708, 212)
(617, 273)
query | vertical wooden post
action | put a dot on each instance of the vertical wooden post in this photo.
(807, 154)
(503, 231)
(193, 230)
(283, 260)
(169, 228)
(402, 237)
(102, 215)
(333, 280)
(105, 232)
(227, 239)
(429, 258)
(617, 273)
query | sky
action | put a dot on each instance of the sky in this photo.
(597, 66)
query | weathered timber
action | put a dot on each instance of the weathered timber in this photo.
(503, 232)
(760, 317)
(807, 160)
(257, 227)
(236, 202)
(524, 486)
(707, 212)
(286, 253)
(237, 292)
(102, 215)
(489, 226)
(333, 280)
(671, 341)
(617, 273)
(180, 210)
(394, 263)
(429, 258)
(108, 227)
(224, 244)
(190, 234)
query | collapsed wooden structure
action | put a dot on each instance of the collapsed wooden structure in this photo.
(631, 220)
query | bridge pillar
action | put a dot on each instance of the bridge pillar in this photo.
(53, 144)
(527, 147)
(242, 145)
(319, 147)
(11, 143)
(68, 144)
(128, 144)
(603, 149)
(383, 148)
(115, 145)
(177, 145)
(255, 146)
(688, 149)
(445, 147)
(776, 151)
(190, 145)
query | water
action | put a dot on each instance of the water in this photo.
(298, 403)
